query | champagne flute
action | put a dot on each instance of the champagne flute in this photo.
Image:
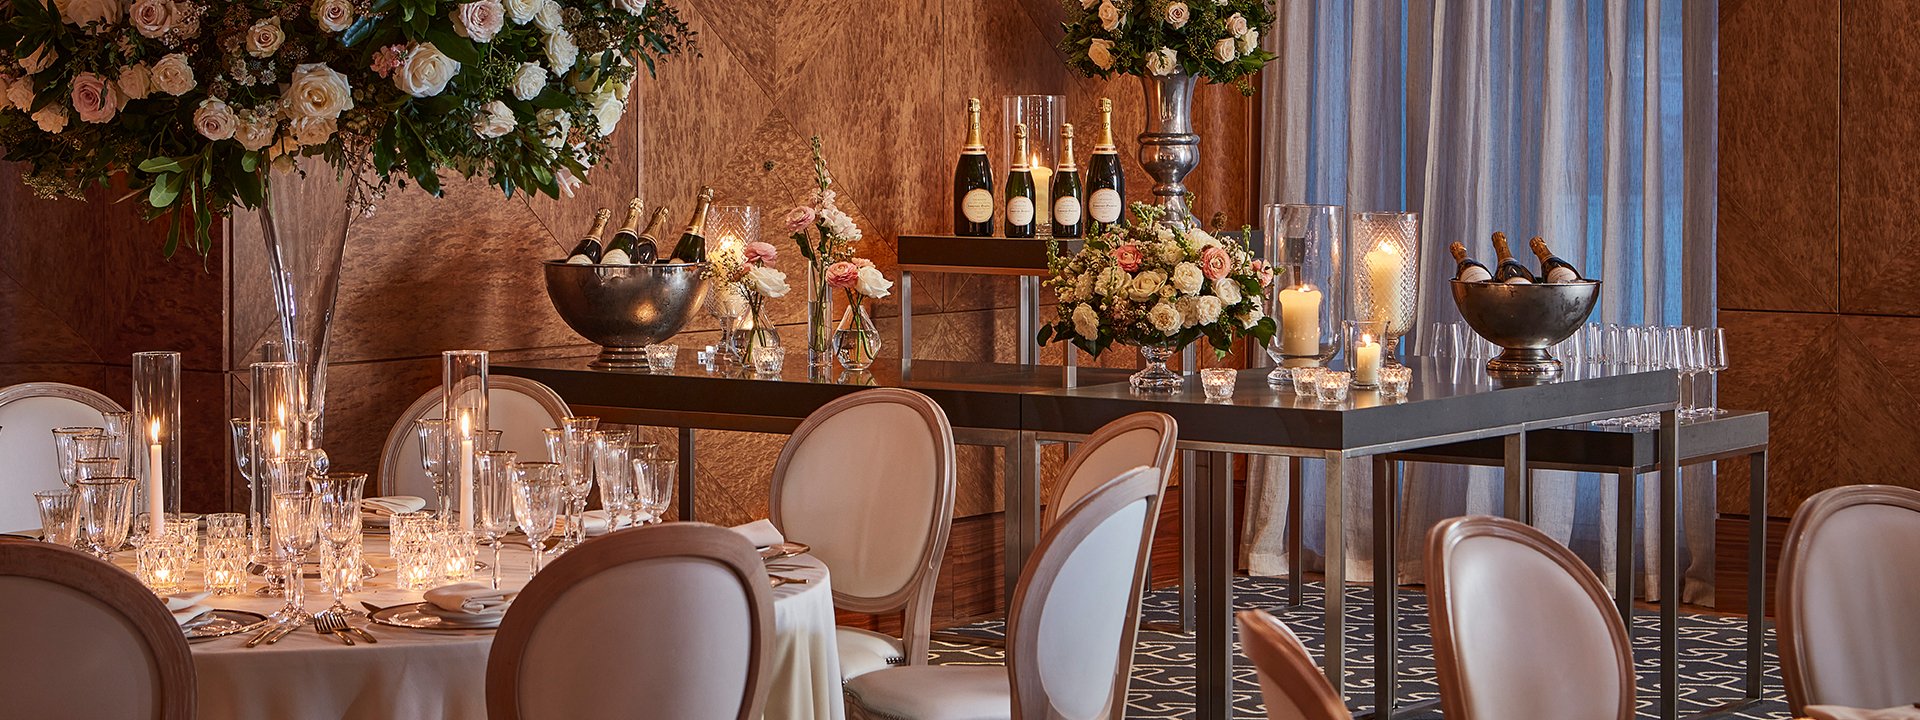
(294, 533)
(493, 473)
(339, 497)
(105, 508)
(1714, 339)
(538, 491)
(578, 469)
(433, 459)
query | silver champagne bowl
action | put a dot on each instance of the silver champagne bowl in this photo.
(624, 308)
(1525, 320)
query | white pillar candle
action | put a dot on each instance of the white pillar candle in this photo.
(1299, 321)
(1366, 361)
(1042, 193)
(1385, 265)
(156, 494)
(466, 472)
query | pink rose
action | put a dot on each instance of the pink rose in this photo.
(760, 253)
(479, 20)
(800, 219)
(1128, 256)
(91, 98)
(1215, 263)
(843, 274)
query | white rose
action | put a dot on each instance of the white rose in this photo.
(493, 120)
(1164, 317)
(1249, 41)
(479, 20)
(265, 37)
(1236, 24)
(561, 52)
(521, 12)
(215, 120)
(82, 12)
(1206, 308)
(172, 75)
(1109, 16)
(555, 124)
(633, 7)
(255, 130)
(1163, 61)
(1101, 53)
(607, 111)
(333, 15)
(528, 83)
(546, 16)
(425, 71)
(52, 118)
(312, 130)
(1189, 316)
(135, 82)
(1112, 281)
(767, 281)
(318, 91)
(1223, 49)
(40, 59)
(1146, 285)
(1177, 14)
(1227, 290)
(153, 18)
(1086, 322)
(1187, 278)
(21, 94)
(1251, 316)
(869, 282)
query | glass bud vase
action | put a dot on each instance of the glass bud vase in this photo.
(755, 330)
(1156, 377)
(820, 327)
(855, 340)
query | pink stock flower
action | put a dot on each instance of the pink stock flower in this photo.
(843, 274)
(387, 59)
(1215, 263)
(800, 219)
(1129, 256)
(760, 253)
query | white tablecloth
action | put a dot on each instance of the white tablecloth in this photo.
(420, 674)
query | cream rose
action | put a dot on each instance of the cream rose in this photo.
(767, 281)
(869, 282)
(1164, 317)
(1109, 16)
(318, 91)
(521, 12)
(633, 7)
(479, 20)
(333, 15)
(1223, 49)
(311, 130)
(1206, 310)
(1101, 53)
(40, 59)
(493, 120)
(52, 118)
(1177, 14)
(215, 119)
(1236, 24)
(153, 18)
(528, 83)
(1146, 285)
(255, 130)
(1163, 61)
(135, 82)
(265, 37)
(83, 12)
(561, 52)
(1227, 290)
(425, 71)
(607, 111)
(555, 125)
(173, 76)
(1187, 278)
(92, 98)
(1249, 41)
(1086, 322)
(546, 16)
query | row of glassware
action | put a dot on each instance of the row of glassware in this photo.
(1688, 350)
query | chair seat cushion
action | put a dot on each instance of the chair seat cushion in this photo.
(930, 692)
(864, 651)
(1837, 712)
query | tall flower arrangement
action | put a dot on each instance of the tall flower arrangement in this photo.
(194, 100)
(1215, 39)
(825, 235)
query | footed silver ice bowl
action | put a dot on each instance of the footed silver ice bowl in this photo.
(1525, 320)
(624, 308)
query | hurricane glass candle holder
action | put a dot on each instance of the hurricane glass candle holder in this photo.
(1365, 351)
(156, 430)
(274, 420)
(1303, 252)
(463, 397)
(1043, 115)
(1385, 275)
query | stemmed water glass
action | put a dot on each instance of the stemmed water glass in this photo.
(339, 497)
(613, 475)
(68, 452)
(539, 488)
(294, 534)
(433, 459)
(105, 509)
(578, 471)
(493, 475)
(285, 474)
(655, 479)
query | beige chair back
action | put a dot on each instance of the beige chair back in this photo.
(518, 406)
(1066, 647)
(1292, 686)
(1146, 438)
(87, 640)
(1849, 603)
(867, 482)
(670, 621)
(1521, 628)
(28, 413)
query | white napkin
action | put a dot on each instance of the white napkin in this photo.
(471, 598)
(761, 533)
(185, 618)
(599, 524)
(184, 601)
(392, 504)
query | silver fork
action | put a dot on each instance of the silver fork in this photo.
(329, 624)
(338, 621)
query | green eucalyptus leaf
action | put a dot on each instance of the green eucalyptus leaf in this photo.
(161, 165)
(166, 189)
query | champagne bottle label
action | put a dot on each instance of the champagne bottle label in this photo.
(616, 257)
(579, 260)
(1066, 210)
(1562, 275)
(978, 205)
(1517, 280)
(1105, 205)
(1020, 210)
(1475, 273)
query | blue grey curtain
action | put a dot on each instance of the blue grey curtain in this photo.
(1589, 123)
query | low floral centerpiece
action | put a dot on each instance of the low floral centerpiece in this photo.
(748, 280)
(855, 339)
(1157, 284)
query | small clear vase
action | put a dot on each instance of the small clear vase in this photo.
(821, 330)
(1156, 376)
(755, 330)
(855, 340)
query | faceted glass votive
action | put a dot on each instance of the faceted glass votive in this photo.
(1305, 380)
(161, 564)
(1394, 380)
(767, 360)
(334, 560)
(417, 564)
(1331, 386)
(662, 356)
(224, 562)
(1218, 382)
(455, 551)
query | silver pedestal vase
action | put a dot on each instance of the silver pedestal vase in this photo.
(1169, 149)
(304, 219)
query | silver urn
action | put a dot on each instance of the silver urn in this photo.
(624, 308)
(1525, 320)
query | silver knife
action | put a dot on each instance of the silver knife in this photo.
(262, 635)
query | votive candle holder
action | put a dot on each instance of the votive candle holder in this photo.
(1218, 382)
(1306, 381)
(455, 550)
(1331, 386)
(661, 357)
(161, 564)
(1394, 380)
(768, 360)
(224, 564)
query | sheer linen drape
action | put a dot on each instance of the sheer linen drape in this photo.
(1589, 123)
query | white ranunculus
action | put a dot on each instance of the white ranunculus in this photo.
(1100, 51)
(1206, 309)
(1178, 15)
(1249, 41)
(546, 16)
(318, 91)
(82, 12)
(1112, 281)
(1086, 322)
(256, 130)
(1236, 24)
(312, 131)
(215, 120)
(425, 71)
(869, 282)
(1169, 252)
(1227, 290)
(153, 18)
(1110, 17)
(1187, 278)
(607, 111)
(554, 126)
(521, 12)
(40, 59)
(173, 76)
(265, 37)
(528, 83)
(479, 20)
(1163, 61)
(135, 82)
(769, 282)
(52, 118)
(333, 15)
(633, 7)
(1146, 286)
(561, 52)
(1165, 318)
(493, 120)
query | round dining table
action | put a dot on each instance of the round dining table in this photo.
(413, 673)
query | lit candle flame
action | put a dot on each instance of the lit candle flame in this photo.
(154, 431)
(466, 424)
(1389, 248)
(276, 442)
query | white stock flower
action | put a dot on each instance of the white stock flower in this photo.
(173, 76)
(528, 83)
(869, 282)
(318, 91)
(1082, 288)
(265, 37)
(1100, 51)
(554, 126)
(1227, 290)
(1177, 14)
(312, 131)
(521, 12)
(1109, 16)
(21, 94)
(769, 282)
(333, 15)
(256, 129)
(1164, 317)
(52, 118)
(40, 59)
(561, 52)
(567, 182)
(1146, 286)
(1086, 322)
(1112, 281)
(546, 16)
(493, 120)
(633, 7)
(479, 20)
(215, 120)
(135, 82)
(1187, 278)
(1249, 41)
(1236, 24)
(1163, 61)
(425, 71)
(1223, 49)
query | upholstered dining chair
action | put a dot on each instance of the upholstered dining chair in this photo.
(28, 463)
(518, 406)
(1067, 633)
(90, 640)
(1290, 684)
(668, 621)
(1146, 438)
(1849, 603)
(1521, 628)
(867, 482)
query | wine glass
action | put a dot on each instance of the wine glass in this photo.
(578, 473)
(613, 475)
(433, 459)
(493, 474)
(1713, 341)
(656, 479)
(339, 497)
(294, 533)
(67, 451)
(105, 508)
(1693, 361)
(115, 425)
(539, 488)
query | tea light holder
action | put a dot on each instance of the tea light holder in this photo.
(1331, 386)
(456, 553)
(224, 566)
(1366, 351)
(768, 360)
(661, 357)
(161, 563)
(1395, 380)
(1218, 382)
(1304, 379)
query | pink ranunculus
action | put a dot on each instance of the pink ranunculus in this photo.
(760, 253)
(862, 262)
(1265, 273)
(1215, 263)
(800, 219)
(843, 274)
(1129, 256)
(92, 101)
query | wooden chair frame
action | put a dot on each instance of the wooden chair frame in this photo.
(1280, 658)
(1807, 521)
(84, 396)
(403, 432)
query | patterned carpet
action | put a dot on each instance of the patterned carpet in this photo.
(1711, 655)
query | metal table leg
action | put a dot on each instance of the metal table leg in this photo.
(686, 474)
(1386, 602)
(1756, 575)
(1296, 535)
(1516, 483)
(1668, 453)
(1624, 520)
(1334, 660)
(906, 319)
(1020, 492)
(1029, 317)
(1213, 558)
(1189, 540)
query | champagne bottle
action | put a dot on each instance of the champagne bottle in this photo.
(1510, 270)
(647, 247)
(1467, 269)
(621, 249)
(1106, 183)
(973, 182)
(1067, 217)
(1020, 192)
(692, 247)
(587, 252)
(1552, 268)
